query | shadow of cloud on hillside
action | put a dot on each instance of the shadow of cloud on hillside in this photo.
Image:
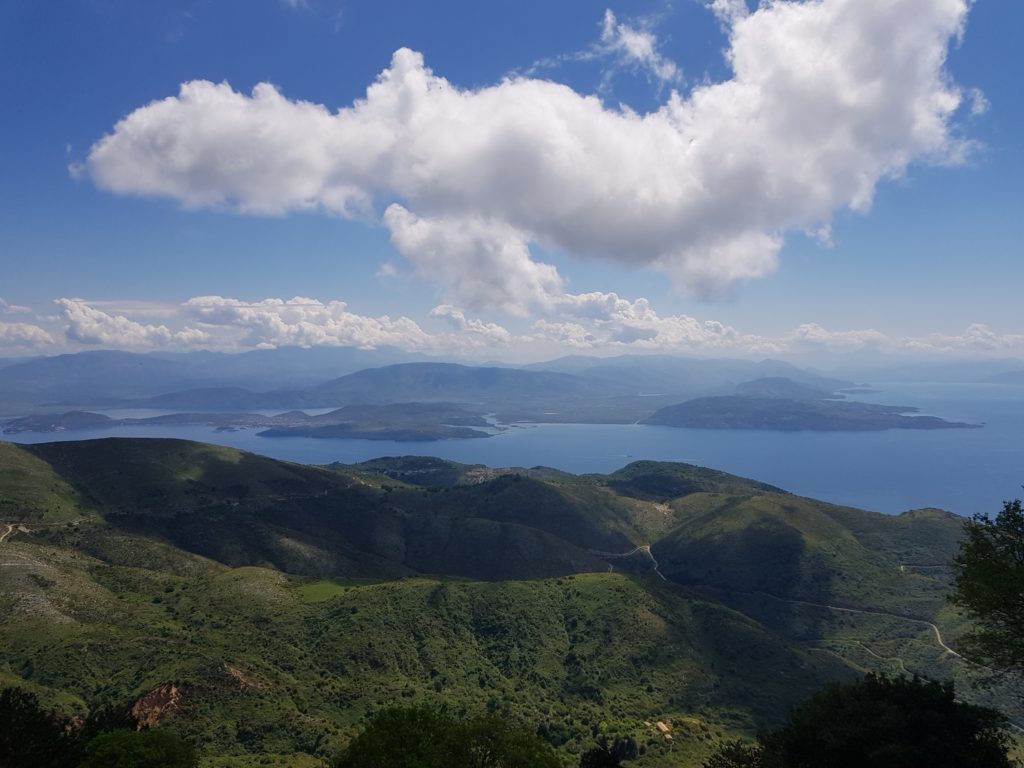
(525, 501)
(755, 569)
(243, 509)
(766, 556)
(654, 487)
(246, 510)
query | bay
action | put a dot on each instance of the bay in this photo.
(961, 470)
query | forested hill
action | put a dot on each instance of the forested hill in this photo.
(268, 608)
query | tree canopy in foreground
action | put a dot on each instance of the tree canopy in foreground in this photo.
(989, 585)
(33, 736)
(878, 722)
(417, 737)
(154, 748)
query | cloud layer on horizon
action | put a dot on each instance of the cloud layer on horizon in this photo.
(826, 99)
(597, 323)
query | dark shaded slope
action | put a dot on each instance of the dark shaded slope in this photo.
(234, 507)
(242, 509)
(664, 480)
(577, 513)
(427, 471)
(802, 549)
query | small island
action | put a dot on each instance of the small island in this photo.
(774, 413)
(772, 403)
(397, 421)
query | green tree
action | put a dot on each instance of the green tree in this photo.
(101, 719)
(737, 754)
(989, 585)
(494, 742)
(400, 737)
(599, 757)
(152, 748)
(879, 722)
(31, 735)
(417, 737)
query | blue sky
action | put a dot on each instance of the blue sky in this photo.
(508, 216)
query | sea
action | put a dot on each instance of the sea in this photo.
(966, 471)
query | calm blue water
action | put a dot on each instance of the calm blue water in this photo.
(965, 471)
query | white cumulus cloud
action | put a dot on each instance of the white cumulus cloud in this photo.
(305, 322)
(479, 332)
(572, 335)
(607, 320)
(24, 336)
(85, 324)
(826, 99)
(977, 337)
(812, 336)
(601, 322)
(482, 262)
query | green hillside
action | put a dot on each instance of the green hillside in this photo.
(266, 609)
(800, 548)
(30, 489)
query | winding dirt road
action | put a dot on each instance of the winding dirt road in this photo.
(897, 659)
(8, 532)
(644, 548)
(905, 566)
(922, 622)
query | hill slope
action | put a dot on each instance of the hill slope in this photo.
(266, 608)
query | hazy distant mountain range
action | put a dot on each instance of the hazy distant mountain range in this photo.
(1009, 377)
(323, 376)
(945, 372)
(229, 391)
(110, 375)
